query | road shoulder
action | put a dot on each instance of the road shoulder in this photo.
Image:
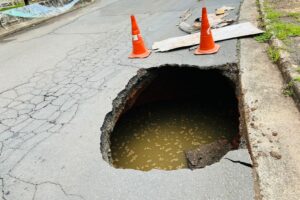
(272, 120)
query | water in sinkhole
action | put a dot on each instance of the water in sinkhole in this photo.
(156, 135)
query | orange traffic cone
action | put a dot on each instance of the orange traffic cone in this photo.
(139, 49)
(207, 44)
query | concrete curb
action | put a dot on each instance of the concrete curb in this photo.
(31, 23)
(285, 64)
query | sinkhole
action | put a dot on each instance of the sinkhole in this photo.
(171, 118)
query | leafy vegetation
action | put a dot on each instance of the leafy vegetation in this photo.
(288, 89)
(265, 37)
(11, 7)
(297, 79)
(281, 29)
(272, 14)
(278, 27)
(273, 54)
(284, 30)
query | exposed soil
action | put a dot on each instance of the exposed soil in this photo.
(286, 5)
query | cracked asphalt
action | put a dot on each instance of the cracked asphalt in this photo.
(57, 83)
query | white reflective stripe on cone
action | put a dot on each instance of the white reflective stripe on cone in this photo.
(208, 31)
(135, 37)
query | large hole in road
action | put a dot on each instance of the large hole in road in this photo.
(171, 118)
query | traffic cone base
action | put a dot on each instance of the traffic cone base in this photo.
(143, 55)
(210, 51)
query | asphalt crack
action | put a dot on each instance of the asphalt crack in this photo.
(2, 188)
(39, 184)
(240, 162)
(50, 99)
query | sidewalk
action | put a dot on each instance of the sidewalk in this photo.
(272, 120)
(282, 22)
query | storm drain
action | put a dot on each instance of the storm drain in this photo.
(172, 118)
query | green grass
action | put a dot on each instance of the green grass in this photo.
(281, 29)
(265, 37)
(11, 7)
(272, 14)
(297, 79)
(284, 30)
(273, 54)
(298, 69)
(288, 89)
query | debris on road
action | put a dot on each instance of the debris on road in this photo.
(275, 154)
(220, 34)
(188, 28)
(216, 23)
(274, 134)
(185, 15)
(222, 10)
(207, 154)
(217, 20)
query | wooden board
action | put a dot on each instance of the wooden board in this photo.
(225, 33)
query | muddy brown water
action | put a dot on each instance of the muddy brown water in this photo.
(155, 135)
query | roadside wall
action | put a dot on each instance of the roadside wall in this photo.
(10, 24)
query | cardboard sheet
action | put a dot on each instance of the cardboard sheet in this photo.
(224, 33)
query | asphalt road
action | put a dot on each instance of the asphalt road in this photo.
(57, 83)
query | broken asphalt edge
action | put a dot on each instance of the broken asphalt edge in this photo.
(285, 64)
(31, 23)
